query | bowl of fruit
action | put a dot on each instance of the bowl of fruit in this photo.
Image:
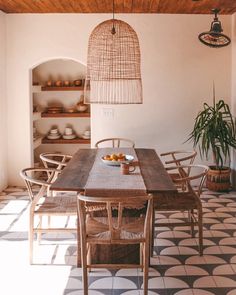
(117, 159)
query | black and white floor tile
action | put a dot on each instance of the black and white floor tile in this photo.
(176, 267)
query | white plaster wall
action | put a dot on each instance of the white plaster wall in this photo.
(233, 41)
(178, 73)
(3, 133)
(177, 70)
(233, 84)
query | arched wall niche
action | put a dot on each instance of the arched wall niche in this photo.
(55, 69)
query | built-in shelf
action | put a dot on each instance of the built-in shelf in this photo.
(36, 116)
(36, 88)
(65, 115)
(59, 83)
(38, 141)
(62, 88)
(45, 140)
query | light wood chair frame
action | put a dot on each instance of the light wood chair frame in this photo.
(39, 200)
(176, 159)
(47, 158)
(187, 158)
(185, 190)
(116, 142)
(86, 241)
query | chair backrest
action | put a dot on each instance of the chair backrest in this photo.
(31, 178)
(54, 160)
(114, 142)
(116, 227)
(180, 157)
(189, 174)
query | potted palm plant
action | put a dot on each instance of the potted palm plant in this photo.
(214, 132)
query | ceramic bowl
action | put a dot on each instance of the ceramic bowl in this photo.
(78, 82)
(68, 131)
(128, 159)
(54, 131)
(81, 107)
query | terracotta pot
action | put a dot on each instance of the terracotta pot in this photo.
(58, 83)
(78, 82)
(218, 180)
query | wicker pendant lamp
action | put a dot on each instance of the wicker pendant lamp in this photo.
(113, 64)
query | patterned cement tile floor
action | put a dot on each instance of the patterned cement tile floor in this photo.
(176, 267)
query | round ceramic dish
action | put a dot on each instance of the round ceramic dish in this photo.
(85, 137)
(71, 136)
(128, 159)
(57, 136)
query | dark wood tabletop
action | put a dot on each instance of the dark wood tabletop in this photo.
(74, 176)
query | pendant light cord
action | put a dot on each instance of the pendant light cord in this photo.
(113, 30)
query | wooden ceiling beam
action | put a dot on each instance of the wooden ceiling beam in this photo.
(121, 6)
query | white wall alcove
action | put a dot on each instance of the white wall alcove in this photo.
(60, 74)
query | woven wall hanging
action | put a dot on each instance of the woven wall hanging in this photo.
(113, 65)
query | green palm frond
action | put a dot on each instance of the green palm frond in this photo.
(214, 131)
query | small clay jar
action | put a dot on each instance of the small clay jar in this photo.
(77, 82)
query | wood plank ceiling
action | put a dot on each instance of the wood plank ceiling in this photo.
(121, 6)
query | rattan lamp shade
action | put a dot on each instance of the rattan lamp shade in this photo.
(113, 65)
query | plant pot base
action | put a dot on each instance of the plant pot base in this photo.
(218, 180)
(218, 187)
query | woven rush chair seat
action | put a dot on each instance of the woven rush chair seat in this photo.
(98, 228)
(185, 199)
(57, 205)
(115, 142)
(181, 201)
(94, 207)
(90, 207)
(114, 228)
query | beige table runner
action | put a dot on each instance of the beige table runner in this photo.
(104, 180)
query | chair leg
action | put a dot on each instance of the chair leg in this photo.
(85, 280)
(39, 235)
(191, 212)
(78, 244)
(49, 221)
(152, 228)
(31, 238)
(146, 258)
(89, 257)
(200, 231)
(141, 254)
(84, 267)
(49, 192)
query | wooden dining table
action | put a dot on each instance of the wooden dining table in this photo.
(86, 172)
(76, 174)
